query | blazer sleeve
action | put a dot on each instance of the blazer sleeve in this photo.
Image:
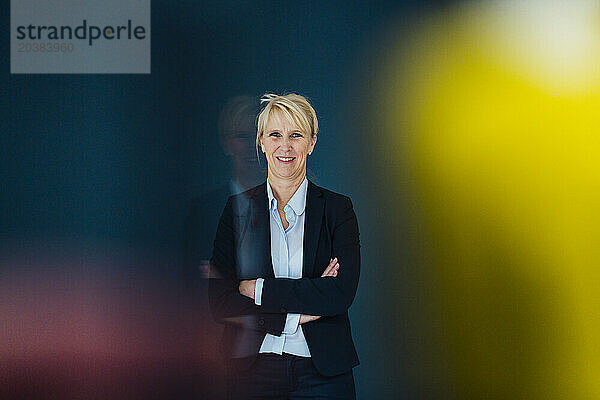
(324, 296)
(226, 304)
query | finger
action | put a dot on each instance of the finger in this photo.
(329, 268)
(332, 263)
(334, 271)
(329, 271)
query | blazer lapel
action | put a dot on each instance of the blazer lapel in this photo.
(315, 205)
(261, 226)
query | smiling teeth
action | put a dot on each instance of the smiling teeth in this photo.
(286, 158)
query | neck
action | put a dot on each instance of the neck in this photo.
(284, 189)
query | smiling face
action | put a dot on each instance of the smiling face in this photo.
(286, 147)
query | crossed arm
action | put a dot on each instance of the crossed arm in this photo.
(330, 294)
(248, 288)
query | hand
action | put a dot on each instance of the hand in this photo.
(246, 288)
(304, 318)
(331, 270)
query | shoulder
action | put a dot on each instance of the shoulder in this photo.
(333, 200)
(338, 211)
(239, 203)
(328, 194)
(252, 192)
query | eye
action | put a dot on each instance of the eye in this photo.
(275, 134)
(297, 134)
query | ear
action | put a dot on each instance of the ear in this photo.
(311, 147)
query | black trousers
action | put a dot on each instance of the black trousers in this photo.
(286, 376)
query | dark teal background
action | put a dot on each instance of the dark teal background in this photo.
(102, 167)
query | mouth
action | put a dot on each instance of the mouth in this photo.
(286, 160)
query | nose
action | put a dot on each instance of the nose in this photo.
(287, 143)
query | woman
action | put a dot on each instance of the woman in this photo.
(287, 254)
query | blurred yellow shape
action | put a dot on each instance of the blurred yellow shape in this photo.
(494, 108)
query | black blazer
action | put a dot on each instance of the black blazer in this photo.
(242, 250)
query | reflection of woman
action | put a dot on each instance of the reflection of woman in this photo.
(287, 253)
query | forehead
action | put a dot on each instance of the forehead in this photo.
(278, 120)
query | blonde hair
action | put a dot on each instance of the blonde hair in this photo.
(295, 108)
